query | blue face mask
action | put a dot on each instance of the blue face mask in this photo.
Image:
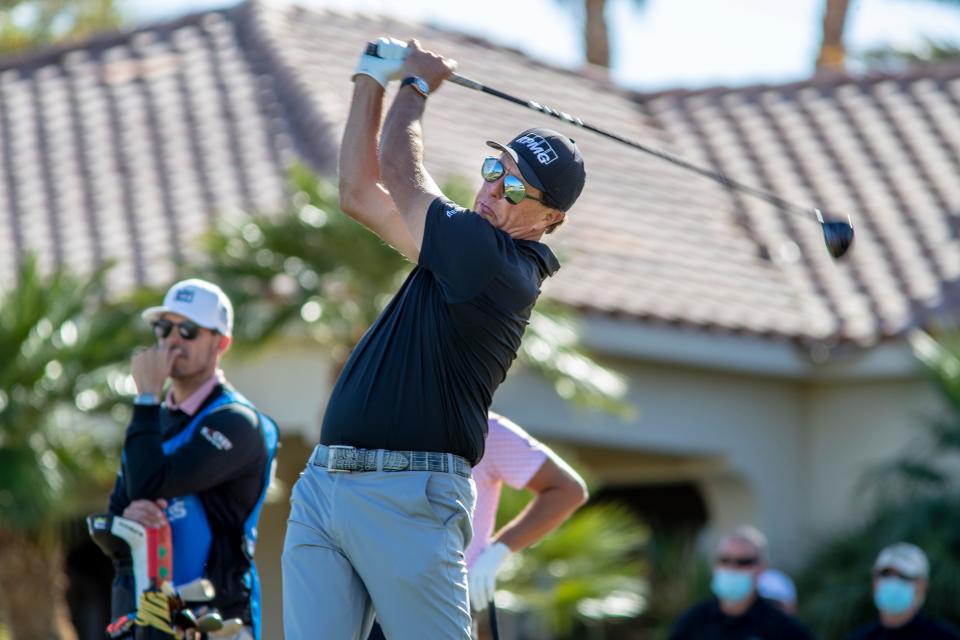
(731, 585)
(894, 596)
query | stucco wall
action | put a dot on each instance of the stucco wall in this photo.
(851, 427)
(752, 425)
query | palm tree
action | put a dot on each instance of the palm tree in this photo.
(832, 55)
(314, 270)
(26, 24)
(915, 501)
(595, 30)
(58, 391)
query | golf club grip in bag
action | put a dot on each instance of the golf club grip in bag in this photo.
(143, 558)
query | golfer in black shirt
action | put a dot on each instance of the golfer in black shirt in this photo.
(381, 516)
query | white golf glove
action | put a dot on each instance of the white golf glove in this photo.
(386, 65)
(483, 574)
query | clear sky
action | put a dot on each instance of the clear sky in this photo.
(667, 44)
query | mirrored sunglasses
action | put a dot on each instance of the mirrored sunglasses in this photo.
(513, 188)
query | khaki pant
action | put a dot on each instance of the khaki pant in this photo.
(384, 543)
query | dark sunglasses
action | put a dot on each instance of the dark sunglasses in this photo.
(187, 329)
(737, 562)
(893, 573)
(513, 189)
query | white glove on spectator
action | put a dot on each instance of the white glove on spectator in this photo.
(483, 575)
(386, 65)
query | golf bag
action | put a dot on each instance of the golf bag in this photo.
(143, 557)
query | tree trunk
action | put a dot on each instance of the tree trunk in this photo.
(831, 57)
(33, 590)
(598, 41)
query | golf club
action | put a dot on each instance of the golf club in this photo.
(837, 233)
(494, 626)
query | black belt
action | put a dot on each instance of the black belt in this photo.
(344, 458)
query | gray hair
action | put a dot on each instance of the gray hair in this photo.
(752, 536)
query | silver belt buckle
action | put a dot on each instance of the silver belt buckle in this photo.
(331, 456)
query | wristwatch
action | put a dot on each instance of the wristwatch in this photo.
(418, 84)
(146, 398)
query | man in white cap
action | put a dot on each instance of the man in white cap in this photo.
(197, 455)
(900, 580)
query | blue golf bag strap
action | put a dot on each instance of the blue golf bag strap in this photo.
(190, 529)
(271, 439)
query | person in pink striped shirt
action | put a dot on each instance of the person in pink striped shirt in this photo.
(515, 458)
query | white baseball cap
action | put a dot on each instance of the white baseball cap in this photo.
(198, 300)
(906, 558)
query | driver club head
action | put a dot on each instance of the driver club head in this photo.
(837, 234)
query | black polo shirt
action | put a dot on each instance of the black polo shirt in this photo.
(762, 621)
(422, 378)
(920, 628)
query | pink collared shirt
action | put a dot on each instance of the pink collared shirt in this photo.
(191, 404)
(511, 456)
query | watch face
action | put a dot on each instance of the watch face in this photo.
(418, 84)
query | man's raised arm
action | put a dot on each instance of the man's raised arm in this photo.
(401, 151)
(362, 196)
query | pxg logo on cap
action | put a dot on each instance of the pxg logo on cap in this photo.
(551, 162)
(538, 146)
(201, 301)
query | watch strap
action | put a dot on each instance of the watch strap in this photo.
(146, 399)
(416, 83)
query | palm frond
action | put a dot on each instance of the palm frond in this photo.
(62, 345)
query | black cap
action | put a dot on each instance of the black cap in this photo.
(551, 162)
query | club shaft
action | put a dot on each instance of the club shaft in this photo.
(715, 175)
(494, 624)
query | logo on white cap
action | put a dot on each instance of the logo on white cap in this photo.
(198, 300)
(185, 295)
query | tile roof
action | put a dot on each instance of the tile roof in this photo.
(126, 146)
(883, 149)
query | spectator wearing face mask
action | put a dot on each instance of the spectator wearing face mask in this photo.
(736, 612)
(900, 580)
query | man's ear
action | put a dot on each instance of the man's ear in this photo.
(554, 216)
(224, 344)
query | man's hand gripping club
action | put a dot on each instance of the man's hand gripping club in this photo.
(387, 64)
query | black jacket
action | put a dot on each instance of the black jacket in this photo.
(762, 621)
(224, 464)
(920, 628)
